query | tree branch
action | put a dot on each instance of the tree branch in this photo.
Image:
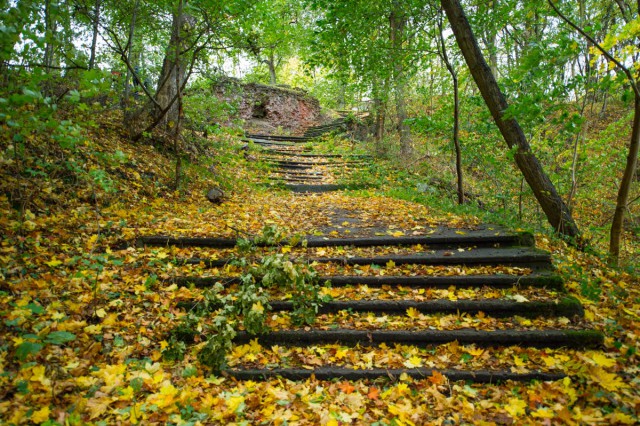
(597, 45)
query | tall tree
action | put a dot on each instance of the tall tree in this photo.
(545, 192)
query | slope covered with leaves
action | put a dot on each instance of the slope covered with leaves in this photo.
(86, 313)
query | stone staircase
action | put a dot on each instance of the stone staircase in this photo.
(430, 301)
(294, 167)
(508, 265)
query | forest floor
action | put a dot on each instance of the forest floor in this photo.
(85, 312)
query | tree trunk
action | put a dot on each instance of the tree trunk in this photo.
(178, 124)
(49, 28)
(545, 192)
(173, 72)
(397, 26)
(456, 112)
(96, 28)
(271, 63)
(625, 186)
(379, 105)
(127, 81)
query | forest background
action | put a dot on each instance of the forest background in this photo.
(568, 70)
(111, 130)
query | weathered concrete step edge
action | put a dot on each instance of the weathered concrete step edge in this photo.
(521, 257)
(319, 189)
(306, 155)
(544, 279)
(273, 160)
(550, 338)
(495, 308)
(291, 166)
(300, 139)
(567, 307)
(447, 238)
(547, 280)
(294, 179)
(269, 142)
(528, 256)
(328, 373)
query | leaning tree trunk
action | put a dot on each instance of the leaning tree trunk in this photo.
(173, 72)
(545, 192)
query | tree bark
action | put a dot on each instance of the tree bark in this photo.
(397, 26)
(129, 47)
(96, 28)
(545, 192)
(271, 64)
(178, 76)
(173, 71)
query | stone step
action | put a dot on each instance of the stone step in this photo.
(526, 257)
(307, 155)
(269, 142)
(330, 373)
(291, 166)
(565, 307)
(312, 163)
(319, 189)
(548, 338)
(438, 238)
(279, 138)
(537, 280)
(286, 177)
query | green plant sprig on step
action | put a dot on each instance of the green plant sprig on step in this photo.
(247, 307)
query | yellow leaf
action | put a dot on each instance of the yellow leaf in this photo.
(398, 234)
(622, 418)
(516, 407)
(608, 381)
(92, 240)
(98, 407)
(475, 351)
(101, 313)
(543, 413)
(234, 403)
(54, 262)
(413, 362)
(38, 375)
(41, 415)
(601, 360)
(257, 308)
(134, 415)
(286, 249)
(413, 313)
(460, 232)
(391, 264)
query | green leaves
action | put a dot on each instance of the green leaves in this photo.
(59, 337)
(27, 348)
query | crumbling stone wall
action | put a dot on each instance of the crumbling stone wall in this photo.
(290, 109)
